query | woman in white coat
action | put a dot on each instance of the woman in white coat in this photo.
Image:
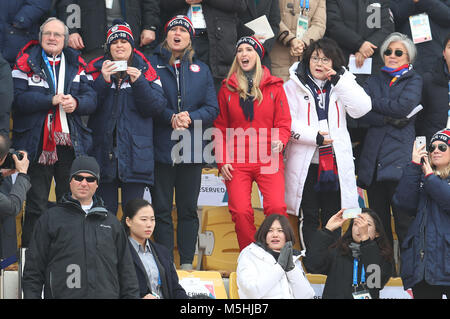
(320, 173)
(270, 268)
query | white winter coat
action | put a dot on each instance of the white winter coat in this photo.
(346, 97)
(259, 276)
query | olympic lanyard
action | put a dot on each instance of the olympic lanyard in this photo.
(355, 273)
(304, 5)
(51, 70)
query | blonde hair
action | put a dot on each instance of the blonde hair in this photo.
(189, 51)
(443, 173)
(243, 83)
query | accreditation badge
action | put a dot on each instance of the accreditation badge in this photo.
(198, 20)
(109, 4)
(362, 294)
(420, 28)
(302, 26)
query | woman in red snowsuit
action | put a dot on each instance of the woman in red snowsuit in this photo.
(254, 126)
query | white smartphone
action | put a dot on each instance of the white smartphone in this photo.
(351, 212)
(120, 65)
(420, 140)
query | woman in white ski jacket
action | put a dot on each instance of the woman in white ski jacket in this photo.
(320, 172)
(270, 268)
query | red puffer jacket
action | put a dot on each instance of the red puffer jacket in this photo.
(251, 141)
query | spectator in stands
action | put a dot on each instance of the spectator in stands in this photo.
(395, 92)
(153, 262)
(270, 268)
(51, 93)
(191, 108)
(256, 9)
(6, 95)
(438, 19)
(122, 126)
(12, 195)
(359, 27)
(254, 107)
(320, 173)
(364, 246)
(215, 31)
(97, 16)
(301, 23)
(78, 249)
(19, 22)
(435, 95)
(424, 192)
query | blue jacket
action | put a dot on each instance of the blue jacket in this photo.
(33, 95)
(19, 24)
(170, 286)
(198, 97)
(435, 99)
(122, 126)
(387, 149)
(426, 248)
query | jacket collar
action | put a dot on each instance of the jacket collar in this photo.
(30, 56)
(97, 208)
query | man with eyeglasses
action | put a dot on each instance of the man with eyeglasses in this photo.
(51, 94)
(79, 249)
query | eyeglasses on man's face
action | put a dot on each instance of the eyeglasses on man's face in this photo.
(56, 35)
(89, 179)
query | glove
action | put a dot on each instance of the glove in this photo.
(286, 257)
(397, 123)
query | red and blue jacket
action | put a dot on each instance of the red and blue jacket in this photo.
(123, 122)
(33, 93)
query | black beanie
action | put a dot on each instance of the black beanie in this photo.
(85, 164)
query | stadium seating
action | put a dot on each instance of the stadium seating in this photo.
(234, 294)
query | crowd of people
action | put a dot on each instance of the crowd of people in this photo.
(109, 96)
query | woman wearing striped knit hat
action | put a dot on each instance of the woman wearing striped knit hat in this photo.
(424, 193)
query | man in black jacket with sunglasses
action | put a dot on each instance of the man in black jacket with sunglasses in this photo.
(78, 249)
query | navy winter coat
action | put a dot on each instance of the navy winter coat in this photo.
(122, 126)
(19, 24)
(198, 97)
(435, 100)
(33, 95)
(387, 149)
(68, 241)
(425, 250)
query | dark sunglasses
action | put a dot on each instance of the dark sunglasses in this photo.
(397, 53)
(441, 147)
(89, 179)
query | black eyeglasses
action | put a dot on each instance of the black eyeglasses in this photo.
(441, 147)
(397, 53)
(89, 179)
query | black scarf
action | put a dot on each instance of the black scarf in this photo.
(247, 103)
